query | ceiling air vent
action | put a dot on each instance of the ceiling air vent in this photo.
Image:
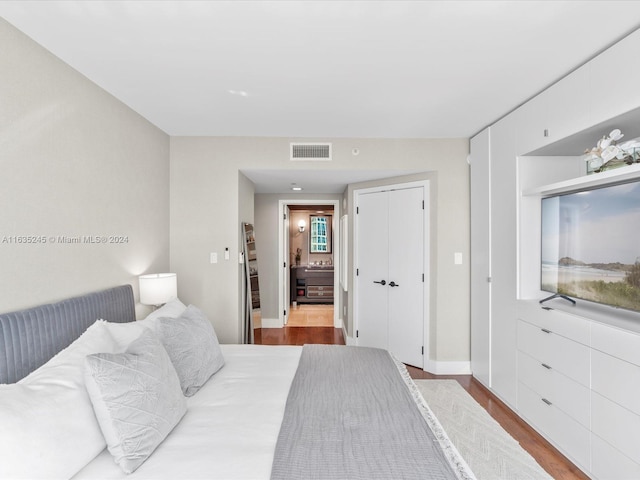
(310, 152)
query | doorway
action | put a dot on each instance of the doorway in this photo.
(310, 256)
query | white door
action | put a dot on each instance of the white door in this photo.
(480, 258)
(373, 270)
(390, 272)
(406, 269)
(286, 293)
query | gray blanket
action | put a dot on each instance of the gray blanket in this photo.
(350, 415)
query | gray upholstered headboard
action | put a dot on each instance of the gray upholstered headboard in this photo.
(29, 338)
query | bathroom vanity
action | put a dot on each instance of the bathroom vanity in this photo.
(312, 284)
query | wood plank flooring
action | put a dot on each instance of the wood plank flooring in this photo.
(317, 315)
(298, 336)
(556, 464)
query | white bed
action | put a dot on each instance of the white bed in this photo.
(227, 424)
(231, 425)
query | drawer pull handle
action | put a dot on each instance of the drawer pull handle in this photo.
(546, 366)
(545, 330)
(547, 401)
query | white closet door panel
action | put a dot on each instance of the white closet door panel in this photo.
(480, 261)
(609, 97)
(406, 267)
(373, 266)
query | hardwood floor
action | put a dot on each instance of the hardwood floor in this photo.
(556, 464)
(298, 336)
(314, 315)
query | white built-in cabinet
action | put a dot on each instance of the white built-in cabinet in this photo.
(612, 94)
(591, 389)
(480, 257)
(545, 122)
(579, 384)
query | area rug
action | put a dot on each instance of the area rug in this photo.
(490, 452)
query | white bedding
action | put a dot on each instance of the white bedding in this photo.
(231, 425)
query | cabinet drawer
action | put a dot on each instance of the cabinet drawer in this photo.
(607, 463)
(319, 291)
(566, 394)
(616, 380)
(616, 425)
(566, 356)
(560, 429)
(616, 342)
(573, 327)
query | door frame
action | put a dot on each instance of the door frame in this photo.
(283, 257)
(426, 185)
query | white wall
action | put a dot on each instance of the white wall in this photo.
(204, 217)
(75, 162)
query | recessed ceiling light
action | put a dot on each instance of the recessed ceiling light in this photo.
(296, 189)
(240, 93)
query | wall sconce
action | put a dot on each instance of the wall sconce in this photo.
(301, 225)
(158, 288)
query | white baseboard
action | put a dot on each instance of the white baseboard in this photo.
(447, 368)
(271, 323)
(339, 324)
(347, 339)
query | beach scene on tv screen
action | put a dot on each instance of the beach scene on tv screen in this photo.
(591, 245)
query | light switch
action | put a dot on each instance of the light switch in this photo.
(457, 258)
(226, 253)
(214, 257)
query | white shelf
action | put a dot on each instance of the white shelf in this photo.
(621, 174)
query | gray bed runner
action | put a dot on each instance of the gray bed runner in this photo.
(350, 415)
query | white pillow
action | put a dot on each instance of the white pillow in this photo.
(193, 347)
(137, 398)
(172, 309)
(47, 425)
(125, 333)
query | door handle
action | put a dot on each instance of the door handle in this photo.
(393, 284)
(383, 282)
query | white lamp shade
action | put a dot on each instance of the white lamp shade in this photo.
(158, 288)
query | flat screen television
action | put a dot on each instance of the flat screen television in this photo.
(590, 245)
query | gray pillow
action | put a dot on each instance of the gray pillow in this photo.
(193, 347)
(137, 398)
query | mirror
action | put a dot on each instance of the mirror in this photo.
(252, 314)
(320, 234)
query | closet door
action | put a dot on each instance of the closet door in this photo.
(390, 264)
(373, 269)
(406, 267)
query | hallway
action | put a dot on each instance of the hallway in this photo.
(314, 315)
(298, 336)
(306, 324)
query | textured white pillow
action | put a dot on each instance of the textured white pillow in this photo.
(193, 347)
(47, 425)
(137, 398)
(125, 333)
(172, 309)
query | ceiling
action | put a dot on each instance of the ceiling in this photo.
(324, 69)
